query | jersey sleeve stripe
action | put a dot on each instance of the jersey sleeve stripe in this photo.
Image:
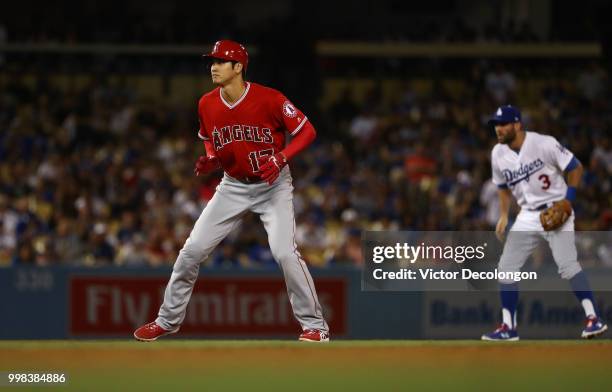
(571, 165)
(296, 130)
(202, 136)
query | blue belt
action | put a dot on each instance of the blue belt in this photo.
(540, 207)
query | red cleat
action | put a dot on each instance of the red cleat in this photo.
(151, 331)
(315, 336)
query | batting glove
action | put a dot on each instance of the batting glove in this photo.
(206, 164)
(270, 169)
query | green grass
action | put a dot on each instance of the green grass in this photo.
(174, 365)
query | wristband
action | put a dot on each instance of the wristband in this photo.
(571, 193)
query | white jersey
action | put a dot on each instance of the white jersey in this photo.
(535, 173)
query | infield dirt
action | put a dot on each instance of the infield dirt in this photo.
(272, 365)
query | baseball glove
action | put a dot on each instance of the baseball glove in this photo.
(556, 215)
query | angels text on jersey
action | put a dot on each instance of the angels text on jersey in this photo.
(239, 132)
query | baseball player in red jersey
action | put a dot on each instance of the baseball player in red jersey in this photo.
(243, 126)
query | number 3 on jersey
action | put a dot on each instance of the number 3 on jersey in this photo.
(255, 155)
(545, 181)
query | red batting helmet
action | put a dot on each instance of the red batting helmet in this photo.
(231, 51)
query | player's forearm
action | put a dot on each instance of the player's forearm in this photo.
(209, 148)
(504, 202)
(574, 176)
(300, 141)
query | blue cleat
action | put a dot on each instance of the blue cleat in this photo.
(594, 327)
(502, 334)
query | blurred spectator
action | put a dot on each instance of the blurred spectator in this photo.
(98, 175)
(226, 256)
(99, 251)
(592, 82)
(363, 126)
(312, 239)
(501, 84)
(602, 156)
(419, 165)
(132, 253)
(25, 254)
(344, 110)
(8, 230)
(490, 200)
(351, 251)
(68, 247)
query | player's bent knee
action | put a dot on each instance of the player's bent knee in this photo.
(192, 254)
(570, 270)
(507, 266)
(285, 256)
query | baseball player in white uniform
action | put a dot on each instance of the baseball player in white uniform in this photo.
(531, 166)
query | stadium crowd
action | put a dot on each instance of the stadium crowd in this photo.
(100, 176)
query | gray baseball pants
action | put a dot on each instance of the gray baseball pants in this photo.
(232, 199)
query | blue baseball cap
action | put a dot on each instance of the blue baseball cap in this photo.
(505, 114)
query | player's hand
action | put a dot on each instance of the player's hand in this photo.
(500, 229)
(206, 164)
(270, 167)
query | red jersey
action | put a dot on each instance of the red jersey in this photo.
(252, 127)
